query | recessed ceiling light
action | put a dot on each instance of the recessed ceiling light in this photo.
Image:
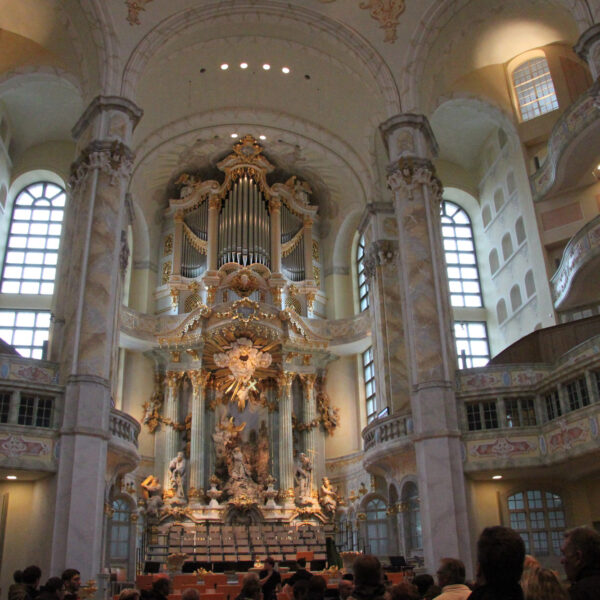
(285, 70)
(497, 477)
(266, 66)
(234, 135)
(11, 477)
(262, 137)
(243, 65)
(224, 67)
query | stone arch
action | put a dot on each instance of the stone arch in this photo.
(269, 11)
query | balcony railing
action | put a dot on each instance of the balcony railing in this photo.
(387, 429)
(124, 427)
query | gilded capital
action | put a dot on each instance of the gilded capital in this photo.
(308, 382)
(172, 379)
(214, 203)
(199, 379)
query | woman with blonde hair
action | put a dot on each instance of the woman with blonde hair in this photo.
(542, 584)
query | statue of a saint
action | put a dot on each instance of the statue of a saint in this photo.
(328, 496)
(178, 475)
(153, 494)
(303, 477)
(239, 471)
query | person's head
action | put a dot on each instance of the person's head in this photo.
(451, 572)
(317, 586)
(189, 594)
(161, 586)
(269, 563)
(542, 584)
(32, 575)
(367, 571)
(300, 589)
(345, 588)
(56, 586)
(18, 576)
(249, 576)
(129, 594)
(72, 579)
(580, 549)
(423, 581)
(301, 563)
(500, 553)
(251, 590)
(404, 591)
(530, 562)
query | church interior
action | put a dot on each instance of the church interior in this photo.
(295, 279)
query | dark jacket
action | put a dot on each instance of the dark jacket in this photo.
(489, 592)
(587, 586)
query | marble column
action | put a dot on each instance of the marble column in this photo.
(427, 325)
(310, 414)
(214, 206)
(308, 240)
(171, 412)
(378, 224)
(588, 48)
(275, 212)
(87, 305)
(199, 381)
(286, 447)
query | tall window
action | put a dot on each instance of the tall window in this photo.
(534, 88)
(539, 517)
(33, 241)
(26, 330)
(412, 516)
(370, 392)
(461, 261)
(471, 344)
(363, 285)
(119, 531)
(377, 533)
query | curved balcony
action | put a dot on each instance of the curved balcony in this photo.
(123, 455)
(383, 438)
(576, 281)
(577, 129)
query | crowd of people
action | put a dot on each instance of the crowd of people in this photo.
(504, 572)
(26, 585)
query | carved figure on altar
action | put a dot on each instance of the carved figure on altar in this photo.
(153, 495)
(239, 471)
(178, 475)
(303, 478)
(328, 496)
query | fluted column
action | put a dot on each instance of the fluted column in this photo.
(428, 331)
(87, 315)
(170, 411)
(310, 415)
(588, 48)
(214, 206)
(199, 381)
(275, 213)
(286, 448)
(308, 241)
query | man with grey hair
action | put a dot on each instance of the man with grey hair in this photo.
(581, 560)
(451, 578)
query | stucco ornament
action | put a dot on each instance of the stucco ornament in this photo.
(242, 360)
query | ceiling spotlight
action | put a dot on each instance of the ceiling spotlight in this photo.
(224, 67)
(262, 137)
(596, 172)
(266, 66)
(497, 477)
(285, 70)
(234, 135)
(11, 477)
(243, 65)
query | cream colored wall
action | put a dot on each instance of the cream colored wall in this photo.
(340, 297)
(343, 389)
(29, 523)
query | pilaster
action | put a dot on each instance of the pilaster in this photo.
(171, 413)
(308, 386)
(286, 450)
(427, 325)
(199, 381)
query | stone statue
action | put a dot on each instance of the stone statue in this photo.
(153, 494)
(303, 478)
(239, 471)
(178, 476)
(328, 496)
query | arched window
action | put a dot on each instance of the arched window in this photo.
(515, 297)
(33, 241)
(520, 231)
(363, 285)
(498, 199)
(486, 215)
(461, 261)
(529, 284)
(370, 390)
(494, 261)
(534, 88)
(539, 517)
(377, 535)
(507, 246)
(412, 516)
(119, 532)
(511, 184)
(501, 310)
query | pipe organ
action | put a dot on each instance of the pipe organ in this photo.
(245, 222)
